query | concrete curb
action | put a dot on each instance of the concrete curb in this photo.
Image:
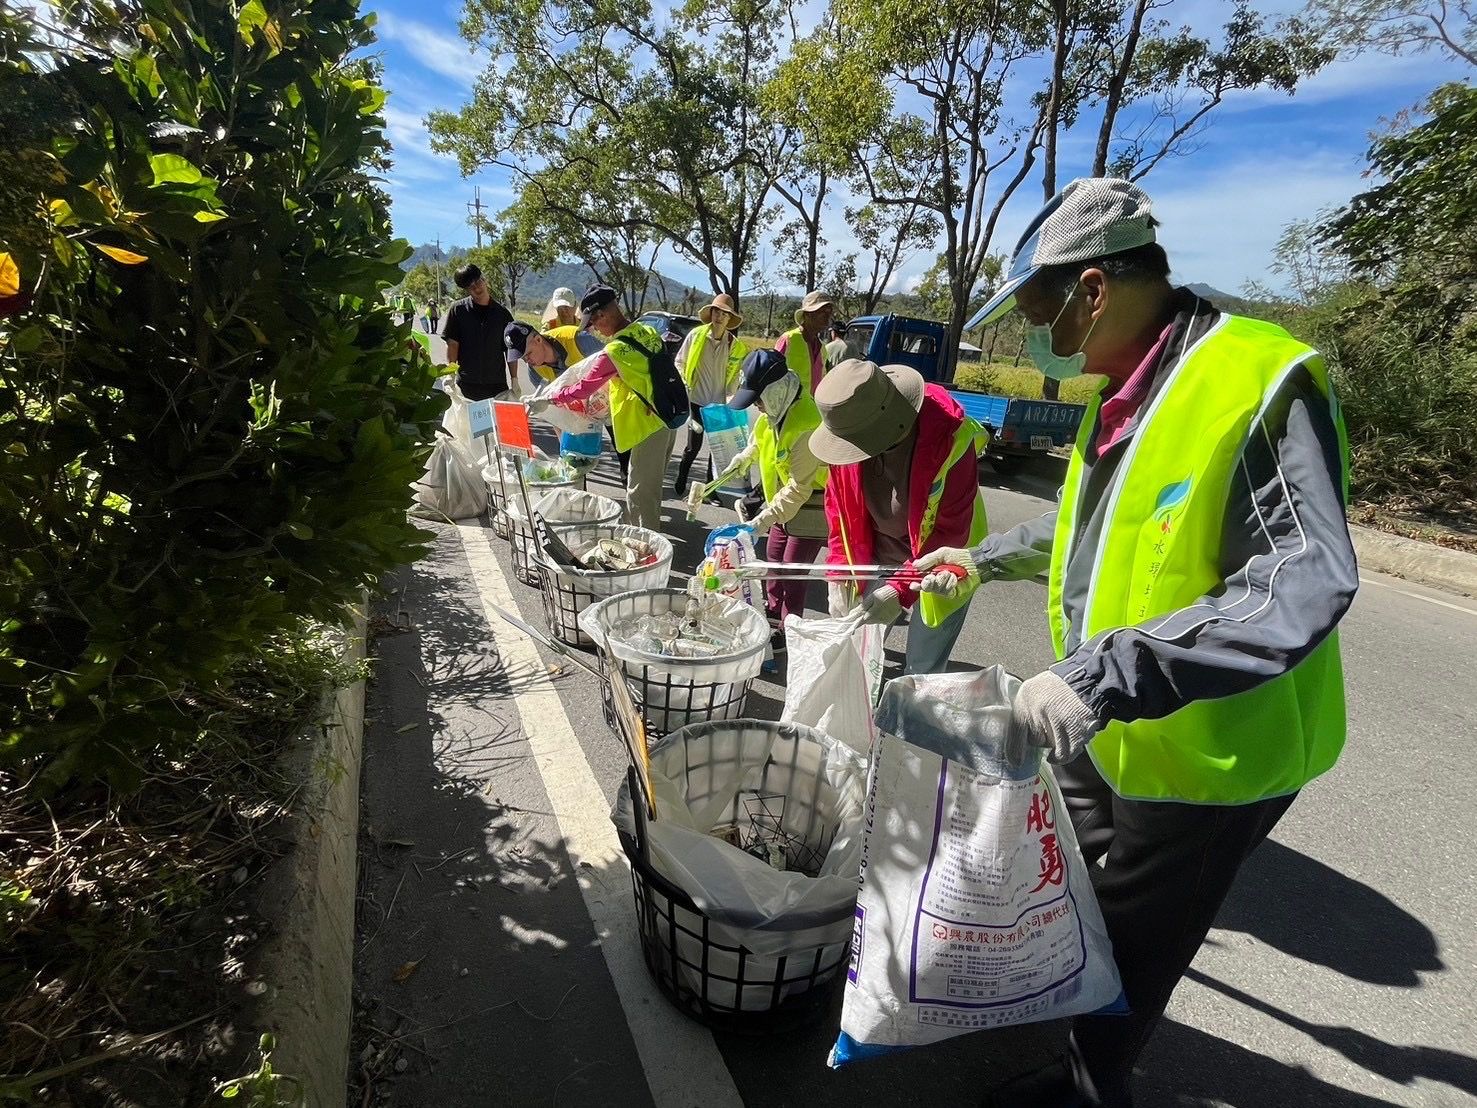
(1422, 562)
(307, 961)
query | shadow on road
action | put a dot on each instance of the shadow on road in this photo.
(1313, 912)
(1185, 1067)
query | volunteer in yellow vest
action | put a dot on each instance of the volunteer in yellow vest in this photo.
(635, 426)
(794, 480)
(904, 480)
(549, 353)
(560, 311)
(804, 346)
(1199, 566)
(709, 360)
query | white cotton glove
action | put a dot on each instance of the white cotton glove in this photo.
(942, 581)
(536, 404)
(1047, 713)
(694, 497)
(838, 599)
(762, 522)
(880, 606)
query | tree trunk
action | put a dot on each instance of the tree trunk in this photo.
(1054, 106)
(1114, 100)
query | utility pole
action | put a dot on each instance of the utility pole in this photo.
(475, 207)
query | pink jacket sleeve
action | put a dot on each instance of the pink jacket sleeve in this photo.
(601, 371)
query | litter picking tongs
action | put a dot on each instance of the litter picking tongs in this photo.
(807, 571)
(629, 725)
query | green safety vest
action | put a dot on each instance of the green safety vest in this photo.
(934, 608)
(736, 352)
(1160, 552)
(797, 357)
(774, 450)
(631, 419)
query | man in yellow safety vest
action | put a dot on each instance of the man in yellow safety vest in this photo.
(634, 423)
(804, 345)
(1199, 566)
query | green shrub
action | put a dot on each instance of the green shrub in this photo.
(209, 421)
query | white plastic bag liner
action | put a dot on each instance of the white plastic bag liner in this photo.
(564, 505)
(581, 416)
(835, 672)
(673, 692)
(975, 910)
(572, 590)
(455, 420)
(700, 777)
(452, 487)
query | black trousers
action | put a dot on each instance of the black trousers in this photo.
(694, 441)
(1166, 869)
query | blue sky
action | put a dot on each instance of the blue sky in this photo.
(1266, 159)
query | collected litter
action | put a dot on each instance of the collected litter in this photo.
(616, 554)
(761, 833)
(700, 630)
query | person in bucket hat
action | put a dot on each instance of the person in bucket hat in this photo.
(1199, 565)
(904, 480)
(804, 345)
(709, 360)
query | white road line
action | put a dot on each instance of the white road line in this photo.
(682, 1064)
(1415, 595)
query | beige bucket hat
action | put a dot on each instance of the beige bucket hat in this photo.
(865, 409)
(723, 303)
(814, 301)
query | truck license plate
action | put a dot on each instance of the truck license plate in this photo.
(1041, 442)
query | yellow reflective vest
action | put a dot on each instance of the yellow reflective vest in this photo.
(631, 419)
(1160, 552)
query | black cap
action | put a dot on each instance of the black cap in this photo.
(761, 369)
(595, 298)
(515, 338)
(467, 275)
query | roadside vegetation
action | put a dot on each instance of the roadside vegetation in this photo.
(209, 424)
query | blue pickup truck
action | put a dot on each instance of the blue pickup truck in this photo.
(1018, 427)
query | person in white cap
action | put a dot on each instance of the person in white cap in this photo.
(804, 345)
(904, 480)
(709, 360)
(1199, 564)
(561, 311)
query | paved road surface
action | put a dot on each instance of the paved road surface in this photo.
(1341, 972)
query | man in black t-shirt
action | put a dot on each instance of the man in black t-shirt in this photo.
(474, 337)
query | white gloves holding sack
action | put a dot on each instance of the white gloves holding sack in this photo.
(880, 606)
(1047, 713)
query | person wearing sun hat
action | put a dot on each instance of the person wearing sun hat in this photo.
(1199, 564)
(562, 310)
(709, 360)
(803, 346)
(904, 480)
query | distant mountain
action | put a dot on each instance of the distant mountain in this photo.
(1215, 296)
(536, 288)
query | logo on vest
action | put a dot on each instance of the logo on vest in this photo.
(1170, 500)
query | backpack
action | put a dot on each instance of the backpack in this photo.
(668, 401)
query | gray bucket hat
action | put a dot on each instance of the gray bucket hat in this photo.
(865, 409)
(1091, 217)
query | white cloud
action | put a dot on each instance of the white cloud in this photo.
(1357, 75)
(449, 55)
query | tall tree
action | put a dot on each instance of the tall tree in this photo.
(618, 121)
(1399, 26)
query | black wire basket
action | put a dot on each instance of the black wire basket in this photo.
(584, 510)
(669, 692)
(568, 591)
(699, 960)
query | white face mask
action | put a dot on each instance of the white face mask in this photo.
(778, 397)
(1041, 350)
